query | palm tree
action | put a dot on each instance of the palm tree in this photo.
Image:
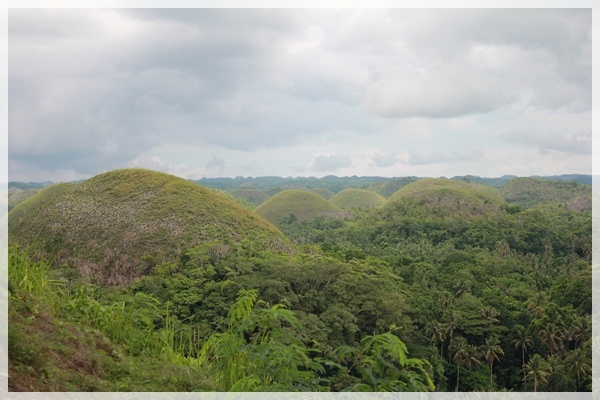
(578, 363)
(489, 313)
(551, 337)
(582, 329)
(537, 305)
(473, 356)
(491, 349)
(522, 341)
(460, 348)
(437, 331)
(451, 326)
(538, 369)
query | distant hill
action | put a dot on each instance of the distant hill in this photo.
(527, 192)
(579, 178)
(451, 196)
(115, 227)
(388, 187)
(29, 185)
(254, 196)
(16, 196)
(324, 193)
(296, 205)
(494, 182)
(357, 198)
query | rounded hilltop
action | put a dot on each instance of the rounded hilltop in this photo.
(454, 196)
(357, 198)
(116, 226)
(300, 205)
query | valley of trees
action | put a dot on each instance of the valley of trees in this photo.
(427, 285)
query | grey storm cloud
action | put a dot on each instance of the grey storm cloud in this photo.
(95, 89)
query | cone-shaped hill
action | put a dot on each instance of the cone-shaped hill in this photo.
(254, 196)
(324, 193)
(357, 198)
(454, 196)
(300, 205)
(527, 192)
(115, 227)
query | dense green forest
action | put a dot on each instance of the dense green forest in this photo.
(139, 281)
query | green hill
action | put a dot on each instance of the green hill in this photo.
(527, 192)
(357, 198)
(254, 196)
(16, 196)
(454, 196)
(324, 193)
(115, 227)
(298, 205)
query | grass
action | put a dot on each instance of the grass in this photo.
(254, 196)
(115, 227)
(300, 205)
(357, 198)
(65, 340)
(456, 196)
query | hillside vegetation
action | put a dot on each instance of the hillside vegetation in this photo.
(118, 226)
(357, 198)
(446, 287)
(459, 197)
(292, 205)
(254, 196)
(527, 192)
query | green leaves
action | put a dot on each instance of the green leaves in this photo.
(383, 364)
(258, 351)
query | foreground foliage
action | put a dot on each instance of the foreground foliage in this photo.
(486, 295)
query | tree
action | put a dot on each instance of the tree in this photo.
(579, 364)
(460, 348)
(437, 332)
(537, 369)
(551, 336)
(490, 314)
(383, 364)
(451, 325)
(256, 352)
(522, 341)
(491, 349)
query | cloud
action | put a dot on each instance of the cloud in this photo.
(215, 163)
(91, 90)
(426, 156)
(329, 163)
(383, 160)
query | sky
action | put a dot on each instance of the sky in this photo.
(299, 92)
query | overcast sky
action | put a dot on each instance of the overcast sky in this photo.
(230, 92)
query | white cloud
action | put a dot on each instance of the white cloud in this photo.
(266, 90)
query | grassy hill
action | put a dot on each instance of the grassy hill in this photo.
(300, 205)
(357, 198)
(527, 192)
(324, 193)
(115, 227)
(254, 196)
(454, 196)
(16, 196)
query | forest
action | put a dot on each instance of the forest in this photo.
(135, 280)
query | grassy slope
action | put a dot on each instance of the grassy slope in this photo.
(116, 226)
(529, 191)
(254, 196)
(357, 198)
(303, 204)
(53, 345)
(458, 197)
